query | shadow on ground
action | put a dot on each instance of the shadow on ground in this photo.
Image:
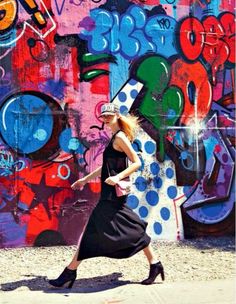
(89, 285)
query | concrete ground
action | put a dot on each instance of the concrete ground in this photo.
(199, 271)
(125, 292)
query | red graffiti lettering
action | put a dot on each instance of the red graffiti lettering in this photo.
(191, 38)
(227, 21)
(196, 89)
(213, 39)
(215, 50)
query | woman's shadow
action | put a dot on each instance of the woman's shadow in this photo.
(89, 285)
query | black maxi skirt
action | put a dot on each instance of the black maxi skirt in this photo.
(113, 231)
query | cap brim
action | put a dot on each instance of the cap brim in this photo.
(107, 113)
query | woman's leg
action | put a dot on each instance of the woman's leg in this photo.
(74, 262)
(149, 253)
(156, 267)
(68, 275)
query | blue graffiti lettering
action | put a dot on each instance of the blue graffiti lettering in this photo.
(161, 30)
(131, 34)
(8, 165)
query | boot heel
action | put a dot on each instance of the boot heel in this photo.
(67, 276)
(155, 270)
(162, 275)
(70, 285)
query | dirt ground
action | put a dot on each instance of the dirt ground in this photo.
(190, 260)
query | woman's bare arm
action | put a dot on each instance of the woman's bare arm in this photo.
(94, 174)
(82, 181)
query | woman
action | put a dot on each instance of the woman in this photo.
(113, 229)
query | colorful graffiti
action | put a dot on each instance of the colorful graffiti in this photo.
(169, 62)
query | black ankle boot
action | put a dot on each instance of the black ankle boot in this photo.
(155, 270)
(66, 276)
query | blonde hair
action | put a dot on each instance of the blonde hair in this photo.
(129, 125)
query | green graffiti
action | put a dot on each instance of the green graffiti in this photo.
(89, 58)
(90, 75)
(161, 104)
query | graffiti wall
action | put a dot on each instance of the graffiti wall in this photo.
(171, 62)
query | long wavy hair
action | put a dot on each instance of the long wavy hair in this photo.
(129, 125)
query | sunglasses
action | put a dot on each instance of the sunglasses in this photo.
(105, 116)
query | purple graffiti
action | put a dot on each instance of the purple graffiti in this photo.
(216, 184)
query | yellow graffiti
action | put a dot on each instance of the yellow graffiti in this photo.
(8, 14)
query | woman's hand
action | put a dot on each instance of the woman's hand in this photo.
(79, 183)
(112, 180)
